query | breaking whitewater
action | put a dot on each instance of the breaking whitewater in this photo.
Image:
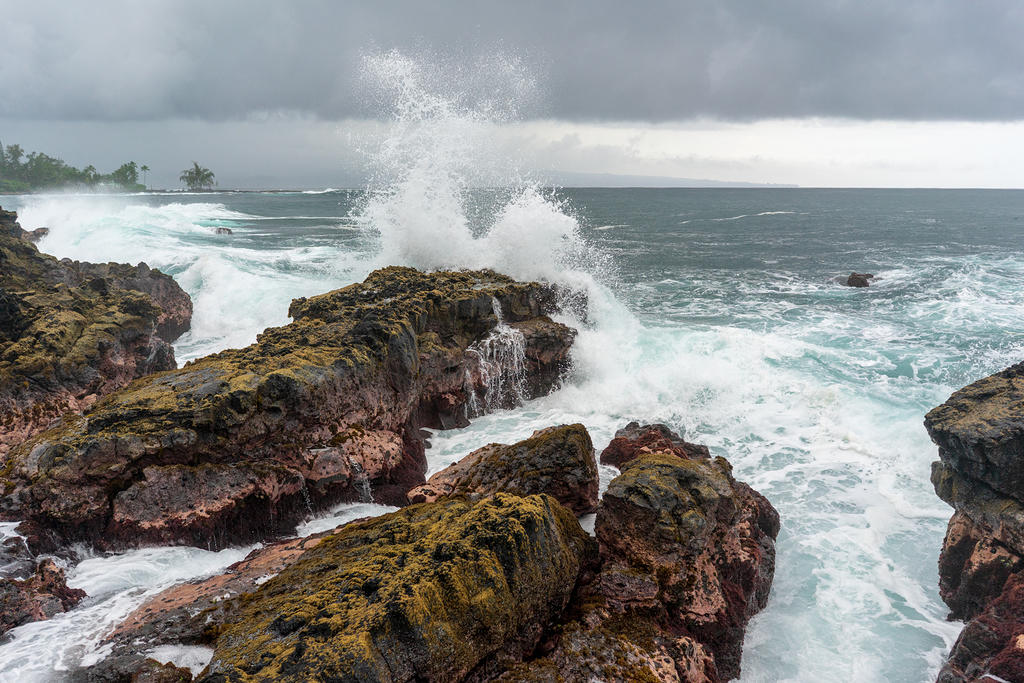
(715, 312)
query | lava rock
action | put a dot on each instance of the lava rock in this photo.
(71, 332)
(36, 599)
(558, 461)
(859, 279)
(329, 407)
(635, 440)
(438, 591)
(687, 556)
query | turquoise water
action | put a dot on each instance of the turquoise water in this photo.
(712, 310)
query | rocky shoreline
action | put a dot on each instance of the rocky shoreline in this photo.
(980, 472)
(484, 573)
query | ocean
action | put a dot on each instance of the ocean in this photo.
(714, 311)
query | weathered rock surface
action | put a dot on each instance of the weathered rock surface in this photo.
(635, 440)
(236, 446)
(37, 598)
(71, 332)
(558, 461)
(687, 556)
(859, 279)
(980, 434)
(502, 588)
(991, 646)
(441, 591)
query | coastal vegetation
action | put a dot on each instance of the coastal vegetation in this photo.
(197, 178)
(21, 172)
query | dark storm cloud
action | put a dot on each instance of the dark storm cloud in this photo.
(597, 59)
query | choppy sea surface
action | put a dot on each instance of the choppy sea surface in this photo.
(714, 311)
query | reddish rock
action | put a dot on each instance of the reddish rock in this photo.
(980, 434)
(992, 644)
(36, 599)
(687, 556)
(330, 406)
(973, 567)
(558, 461)
(635, 439)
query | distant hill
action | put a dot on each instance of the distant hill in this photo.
(575, 179)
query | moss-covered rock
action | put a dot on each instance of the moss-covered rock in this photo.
(980, 431)
(706, 541)
(687, 556)
(71, 332)
(980, 434)
(558, 461)
(334, 399)
(436, 591)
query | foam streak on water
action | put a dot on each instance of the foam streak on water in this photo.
(714, 311)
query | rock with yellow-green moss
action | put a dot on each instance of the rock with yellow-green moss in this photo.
(980, 472)
(687, 556)
(558, 461)
(71, 332)
(440, 591)
(241, 444)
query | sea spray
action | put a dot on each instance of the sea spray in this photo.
(239, 284)
(441, 150)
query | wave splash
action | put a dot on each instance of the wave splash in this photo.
(446, 193)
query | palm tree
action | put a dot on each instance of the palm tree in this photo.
(145, 170)
(197, 177)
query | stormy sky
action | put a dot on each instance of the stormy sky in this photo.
(820, 92)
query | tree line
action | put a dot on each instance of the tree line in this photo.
(21, 172)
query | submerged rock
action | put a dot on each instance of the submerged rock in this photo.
(635, 440)
(238, 445)
(437, 591)
(980, 434)
(71, 332)
(558, 461)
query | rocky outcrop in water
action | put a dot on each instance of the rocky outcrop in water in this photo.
(980, 434)
(239, 445)
(505, 588)
(71, 332)
(859, 279)
(635, 440)
(558, 461)
(37, 598)
(441, 591)
(9, 225)
(687, 557)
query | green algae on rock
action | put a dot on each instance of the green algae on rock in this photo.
(980, 472)
(558, 461)
(436, 591)
(71, 332)
(326, 406)
(687, 556)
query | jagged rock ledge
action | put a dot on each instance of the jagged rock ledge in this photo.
(240, 445)
(502, 585)
(71, 332)
(980, 434)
